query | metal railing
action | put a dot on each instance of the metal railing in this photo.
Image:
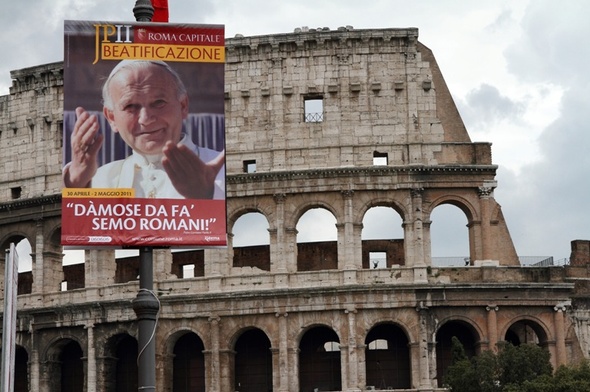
(314, 117)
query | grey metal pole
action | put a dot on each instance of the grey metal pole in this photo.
(146, 304)
(146, 307)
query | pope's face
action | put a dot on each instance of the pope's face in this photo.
(147, 111)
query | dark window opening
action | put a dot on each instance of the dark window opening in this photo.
(253, 362)
(387, 358)
(72, 370)
(16, 192)
(250, 166)
(314, 109)
(189, 364)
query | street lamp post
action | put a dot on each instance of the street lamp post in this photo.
(146, 304)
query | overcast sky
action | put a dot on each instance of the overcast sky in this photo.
(517, 69)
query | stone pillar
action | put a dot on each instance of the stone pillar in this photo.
(424, 349)
(353, 362)
(106, 367)
(162, 264)
(409, 248)
(560, 349)
(278, 261)
(282, 365)
(50, 375)
(91, 359)
(165, 372)
(290, 254)
(230, 251)
(492, 327)
(344, 352)
(227, 380)
(214, 373)
(47, 266)
(294, 369)
(415, 364)
(217, 264)
(420, 261)
(347, 243)
(361, 352)
(417, 220)
(276, 370)
(99, 267)
(34, 369)
(484, 201)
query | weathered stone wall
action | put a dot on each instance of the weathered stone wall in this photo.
(30, 133)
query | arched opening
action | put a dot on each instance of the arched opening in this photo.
(526, 332)
(21, 370)
(319, 360)
(188, 364)
(126, 365)
(25, 264)
(72, 263)
(465, 333)
(253, 362)
(251, 241)
(387, 356)
(72, 369)
(317, 246)
(24, 250)
(449, 237)
(382, 238)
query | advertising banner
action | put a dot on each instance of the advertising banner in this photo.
(143, 135)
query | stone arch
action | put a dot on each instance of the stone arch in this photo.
(236, 213)
(14, 236)
(25, 279)
(317, 254)
(232, 335)
(53, 240)
(361, 211)
(319, 359)
(464, 204)
(527, 329)
(252, 364)
(470, 211)
(253, 252)
(466, 331)
(120, 362)
(186, 360)
(387, 357)
(463, 320)
(54, 346)
(292, 218)
(396, 322)
(174, 335)
(382, 251)
(63, 361)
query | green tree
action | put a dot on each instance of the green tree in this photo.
(565, 379)
(522, 363)
(506, 371)
(460, 375)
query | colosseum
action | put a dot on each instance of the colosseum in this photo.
(347, 122)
